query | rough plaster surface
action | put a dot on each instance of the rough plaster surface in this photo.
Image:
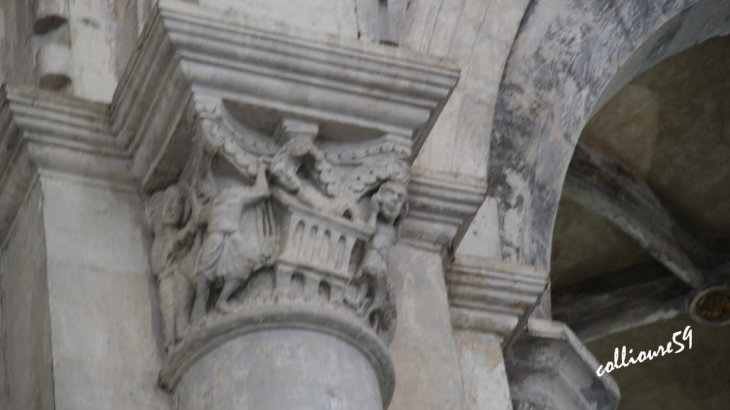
(690, 167)
(423, 350)
(281, 369)
(482, 371)
(626, 129)
(564, 56)
(109, 29)
(27, 320)
(106, 342)
(336, 17)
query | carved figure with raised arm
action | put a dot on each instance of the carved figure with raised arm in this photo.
(286, 164)
(231, 252)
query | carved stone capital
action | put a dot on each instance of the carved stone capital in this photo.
(276, 170)
(490, 296)
(549, 368)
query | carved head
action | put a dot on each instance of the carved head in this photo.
(173, 206)
(391, 197)
(300, 144)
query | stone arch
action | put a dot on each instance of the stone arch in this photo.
(569, 57)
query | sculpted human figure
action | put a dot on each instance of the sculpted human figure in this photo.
(287, 162)
(375, 299)
(230, 253)
(169, 248)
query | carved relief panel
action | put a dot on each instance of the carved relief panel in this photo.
(300, 218)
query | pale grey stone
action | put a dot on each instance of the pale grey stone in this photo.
(482, 371)
(281, 369)
(28, 355)
(551, 369)
(423, 350)
(106, 346)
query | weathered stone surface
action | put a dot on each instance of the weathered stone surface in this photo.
(104, 327)
(551, 369)
(281, 369)
(424, 351)
(333, 17)
(476, 34)
(552, 82)
(28, 356)
(490, 296)
(482, 371)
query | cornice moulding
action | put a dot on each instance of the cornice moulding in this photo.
(54, 132)
(489, 296)
(439, 205)
(188, 54)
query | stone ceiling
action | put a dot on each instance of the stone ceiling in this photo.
(670, 128)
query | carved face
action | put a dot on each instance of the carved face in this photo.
(301, 144)
(172, 206)
(393, 197)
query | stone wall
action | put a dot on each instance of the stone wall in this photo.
(28, 368)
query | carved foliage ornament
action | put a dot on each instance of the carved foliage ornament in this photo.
(261, 220)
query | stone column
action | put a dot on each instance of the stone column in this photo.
(275, 169)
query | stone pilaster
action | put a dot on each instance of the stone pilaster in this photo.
(75, 278)
(493, 306)
(438, 206)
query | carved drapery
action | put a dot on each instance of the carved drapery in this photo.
(278, 228)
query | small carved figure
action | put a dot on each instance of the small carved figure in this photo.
(375, 300)
(169, 247)
(287, 162)
(231, 252)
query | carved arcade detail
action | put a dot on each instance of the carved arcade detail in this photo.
(259, 220)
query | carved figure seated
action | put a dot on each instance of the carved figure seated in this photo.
(169, 248)
(230, 252)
